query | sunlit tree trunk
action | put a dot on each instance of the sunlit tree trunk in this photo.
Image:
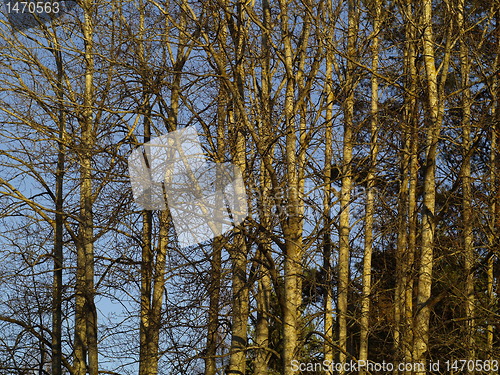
(421, 328)
(329, 324)
(154, 258)
(86, 353)
(158, 292)
(238, 252)
(152, 277)
(412, 145)
(240, 302)
(345, 192)
(494, 186)
(408, 280)
(238, 249)
(434, 115)
(216, 258)
(407, 201)
(293, 226)
(495, 197)
(370, 192)
(296, 209)
(263, 313)
(264, 287)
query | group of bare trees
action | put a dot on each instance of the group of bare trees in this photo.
(367, 135)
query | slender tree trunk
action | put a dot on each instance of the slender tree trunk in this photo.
(409, 255)
(262, 328)
(494, 186)
(263, 297)
(86, 354)
(239, 340)
(146, 272)
(57, 290)
(216, 259)
(87, 195)
(301, 108)
(345, 193)
(80, 352)
(213, 310)
(240, 302)
(467, 226)
(154, 260)
(293, 225)
(434, 115)
(157, 293)
(328, 327)
(493, 295)
(146, 325)
(407, 231)
(370, 192)
(412, 146)
(152, 286)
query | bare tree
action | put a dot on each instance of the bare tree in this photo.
(434, 110)
(370, 191)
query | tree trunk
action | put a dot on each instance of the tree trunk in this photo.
(238, 251)
(216, 258)
(146, 358)
(240, 302)
(434, 114)
(328, 326)
(494, 181)
(467, 224)
(493, 295)
(370, 193)
(146, 272)
(57, 291)
(292, 227)
(86, 354)
(345, 192)
(407, 201)
(213, 310)
(263, 297)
